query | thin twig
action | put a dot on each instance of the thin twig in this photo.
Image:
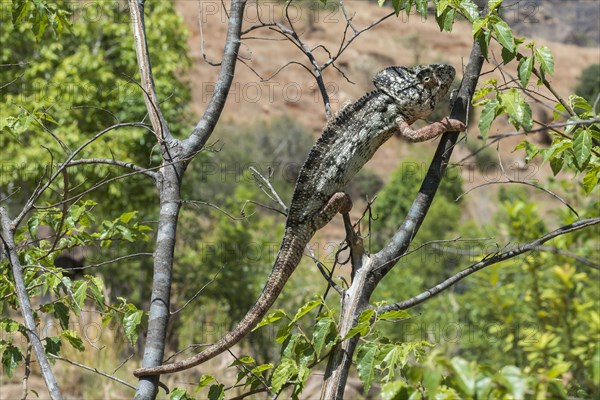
(199, 291)
(92, 369)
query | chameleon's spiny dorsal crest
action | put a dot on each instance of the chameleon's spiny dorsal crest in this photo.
(349, 140)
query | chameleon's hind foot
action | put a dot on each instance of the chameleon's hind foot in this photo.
(338, 203)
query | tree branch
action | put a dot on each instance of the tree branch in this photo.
(207, 123)
(8, 229)
(486, 262)
(159, 124)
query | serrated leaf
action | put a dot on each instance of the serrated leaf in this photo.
(52, 346)
(421, 6)
(322, 329)
(531, 150)
(131, 324)
(73, 338)
(282, 373)
(545, 60)
(525, 69)
(579, 102)
(306, 308)
(590, 180)
(478, 25)
(11, 357)
(365, 364)
(519, 112)
(79, 296)
(284, 333)
(504, 35)
(61, 312)
(582, 147)
(488, 114)
(269, 319)
(397, 5)
(469, 10)
(556, 164)
(507, 56)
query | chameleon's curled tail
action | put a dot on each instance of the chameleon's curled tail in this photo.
(290, 253)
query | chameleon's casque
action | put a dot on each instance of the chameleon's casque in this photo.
(349, 140)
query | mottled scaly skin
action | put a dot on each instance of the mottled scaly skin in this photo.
(348, 141)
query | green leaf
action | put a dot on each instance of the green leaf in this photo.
(494, 4)
(283, 333)
(216, 392)
(131, 324)
(531, 150)
(269, 319)
(421, 6)
(465, 375)
(11, 357)
(363, 324)
(179, 394)
(579, 102)
(545, 60)
(478, 25)
(61, 312)
(365, 364)
(397, 390)
(469, 10)
(79, 296)
(322, 331)
(398, 5)
(590, 180)
(504, 35)
(488, 114)
(507, 56)
(52, 346)
(517, 382)
(582, 147)
(556, 164)
(379, 2)
(431, 381)
(525, 69)
(73, 338)
(393, 315)
(282, 373)
(306, 308)
(126, 217)
(519, 112)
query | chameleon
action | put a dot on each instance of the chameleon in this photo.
(350, 139)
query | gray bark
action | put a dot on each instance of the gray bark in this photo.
(176, 156)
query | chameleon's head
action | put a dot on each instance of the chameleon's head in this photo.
(417, 89)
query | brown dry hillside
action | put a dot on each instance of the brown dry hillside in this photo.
(400, 41)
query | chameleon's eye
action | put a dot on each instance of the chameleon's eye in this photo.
(427, 78)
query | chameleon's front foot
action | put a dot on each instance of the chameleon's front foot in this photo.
(453, 125)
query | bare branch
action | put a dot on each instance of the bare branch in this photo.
(486, 262)
(109, 161)
(199, 291)
(42, 187)
(207, 123)
(95, 370)
(509, 180)
(159, 124)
